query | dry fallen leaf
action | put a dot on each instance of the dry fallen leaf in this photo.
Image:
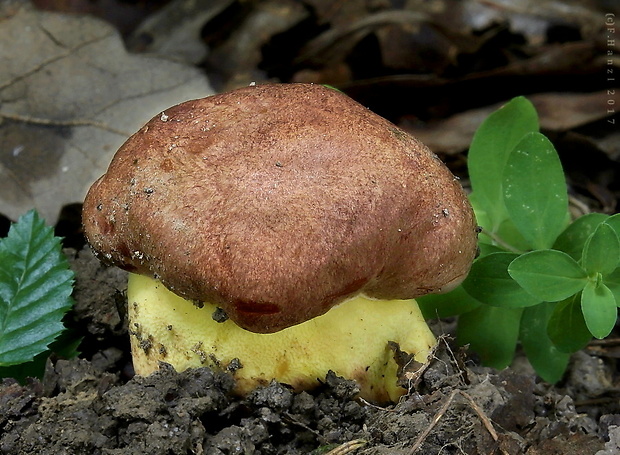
(454, 134)
(237, 57)
(175, 30)
(70, 95)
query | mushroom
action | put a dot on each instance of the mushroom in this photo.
(280, 231)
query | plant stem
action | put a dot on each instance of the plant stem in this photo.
(499, 241)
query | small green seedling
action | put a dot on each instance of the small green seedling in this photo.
(35, 293)
(541, 280)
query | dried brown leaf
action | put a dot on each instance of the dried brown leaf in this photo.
(238, 57)
(175, 30)
(69, 96)
(454, 134)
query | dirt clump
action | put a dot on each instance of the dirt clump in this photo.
(93, 404)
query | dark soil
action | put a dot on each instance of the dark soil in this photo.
(94, 404)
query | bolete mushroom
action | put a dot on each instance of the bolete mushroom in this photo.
(309, 220)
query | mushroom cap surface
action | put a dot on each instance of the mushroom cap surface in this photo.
(277, 202)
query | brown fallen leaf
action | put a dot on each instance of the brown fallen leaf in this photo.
(236, 59)
(175, 30)
(454, 134)
(69, 96)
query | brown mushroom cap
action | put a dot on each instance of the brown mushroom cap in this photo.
(277, 202)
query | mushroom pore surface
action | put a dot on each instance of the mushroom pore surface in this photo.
(277, 202)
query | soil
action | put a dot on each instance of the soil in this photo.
(94, 404)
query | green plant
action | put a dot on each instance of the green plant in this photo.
(541, 280)
(35, 293)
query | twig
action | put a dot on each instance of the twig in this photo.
(67, 123)
(444, 408)
(379, 408)
(294, 421)
(418, 443)
(327, 39)
(580, 206)
(457, 361)
(347, 447)
(485, 420)
(605, 342)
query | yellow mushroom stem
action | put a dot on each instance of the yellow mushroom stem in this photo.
(351, 339)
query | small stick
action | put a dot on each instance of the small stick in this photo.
(368, 403)
(418, 443)
(439, 414)
(70, 123)
(606, 342)
(485, 420)
(294, 421)
(347, 447)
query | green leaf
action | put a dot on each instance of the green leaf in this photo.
(612, 281)
(550, 275)
(614, 222)
(489, 282)
(35, 289)
(599, 309)
(492, 332)
(509, 234)
(601, 251)
(535, 192)
(65, 347)
(506, 238)
(488, 154)
(548, 362)
(486, 249)
(452, 303)
(567, 328)
(573, 238)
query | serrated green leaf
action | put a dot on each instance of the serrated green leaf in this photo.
(548, 362)
(492, 332)
(35, 289)
(601, 251)
(550, 275)
(567, 328)
(65, 347)
(452, 303)
(488, 154)
(534, 190)
(573, 238)
(489, 282)
(599, 309)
